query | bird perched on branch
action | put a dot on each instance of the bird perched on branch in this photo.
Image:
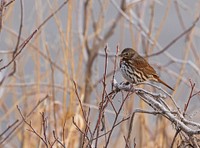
(136, 69)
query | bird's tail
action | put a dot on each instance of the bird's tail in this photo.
(160, 81)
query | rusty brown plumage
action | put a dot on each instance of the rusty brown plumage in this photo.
(135, 68)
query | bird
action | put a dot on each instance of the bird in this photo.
(135, 68)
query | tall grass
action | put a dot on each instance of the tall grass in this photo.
(59, 62)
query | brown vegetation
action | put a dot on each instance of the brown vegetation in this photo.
(59, 79)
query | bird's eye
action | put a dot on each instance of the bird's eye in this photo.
(126, 54)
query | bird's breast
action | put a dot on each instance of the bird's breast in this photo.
(131, 73)
(127, 71)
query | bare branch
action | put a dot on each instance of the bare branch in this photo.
(31, 128)
(21, 47)
(176, 39)
(178, 120)
(58, 140)
(20, 123)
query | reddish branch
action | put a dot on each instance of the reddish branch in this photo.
(31, 128)
(116, 117)
(101, 114)
(9, 127)
(44, 126)
(106, 99)
(16, 127)
(21, 47)
(86, 128)
(3, 4)
(116, 124)
(190, 96)
(80, 103)
(56, 139)
(2, 7)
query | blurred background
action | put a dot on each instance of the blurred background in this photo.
(69, 48)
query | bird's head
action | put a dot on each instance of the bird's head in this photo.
(128, 53)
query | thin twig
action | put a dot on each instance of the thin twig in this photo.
(190, 96)
(28, 115)
(117, 124)
(63, 132)
(31, 128)
(176, 39)
(130, 127)
(80, 103)
(8, 128)
(86, 128)
(82, 132)
(115, 120)
(44, 125)
(54, 135)
(10, 2)
(160, 88)
(101, 110)
(174, 138)
(32, 35)
(177, 119)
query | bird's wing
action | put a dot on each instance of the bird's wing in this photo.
(144, 66)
